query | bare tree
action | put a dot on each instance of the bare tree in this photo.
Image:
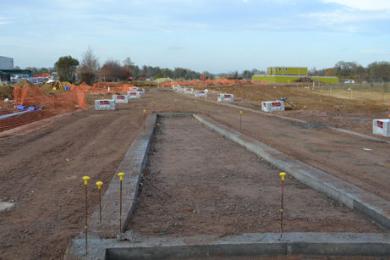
(131, 68)
(113, 71)
(89, 68)
(128, 62)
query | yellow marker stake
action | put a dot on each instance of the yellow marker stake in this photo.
(99, 185)
(85, 183)
(282, 176)
(121, 176)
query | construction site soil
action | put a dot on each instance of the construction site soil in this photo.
(23, 119)
(306, 103)
(42, 164)
(200, 183)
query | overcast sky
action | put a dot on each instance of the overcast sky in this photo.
(213, 35)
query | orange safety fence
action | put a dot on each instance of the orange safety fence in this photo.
(105, 88)
(54, 99)
(27, 94)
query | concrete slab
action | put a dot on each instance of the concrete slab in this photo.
(369, 204)
(255, 244)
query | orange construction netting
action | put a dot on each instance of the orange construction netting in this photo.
(109, 87)
(27, 94)
(74, 98)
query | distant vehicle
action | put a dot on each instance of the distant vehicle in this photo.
(349, 81)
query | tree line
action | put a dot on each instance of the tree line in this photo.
(88, 70)
(374, 72)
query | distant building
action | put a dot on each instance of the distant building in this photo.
(14, 75)
(6, 63)
(292, 71)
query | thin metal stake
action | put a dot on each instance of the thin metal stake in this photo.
(85, 182)
(240, 120)
(121, 176)
(100, 207)
(144, 119)
(282, 176)
(99, 185)
(120, 208)
(281, 207)
(86, 220)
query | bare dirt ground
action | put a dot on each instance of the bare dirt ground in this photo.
(16, 121)
(298, 257)
(41, 169)
(314, 106)
(200, 183)
(362, 162)
(41, 172)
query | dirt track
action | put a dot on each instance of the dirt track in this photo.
(362, 162)
(41, 170)
(200, 183)
(306, 104)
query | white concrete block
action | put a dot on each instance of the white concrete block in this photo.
(105, 104)
(120, 99)
(271, 106)
(381, 127)
(225, 97)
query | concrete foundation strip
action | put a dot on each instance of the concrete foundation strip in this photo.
(255, 244)
(35, 125)
(375, 207)
(15, 114)
(132, 165)
(341, 130)
(240, 245)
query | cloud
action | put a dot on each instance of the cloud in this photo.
(346, 16)
(175, 48)
(4, 20)
(363, 5)
(351, 15)
(376, 51)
